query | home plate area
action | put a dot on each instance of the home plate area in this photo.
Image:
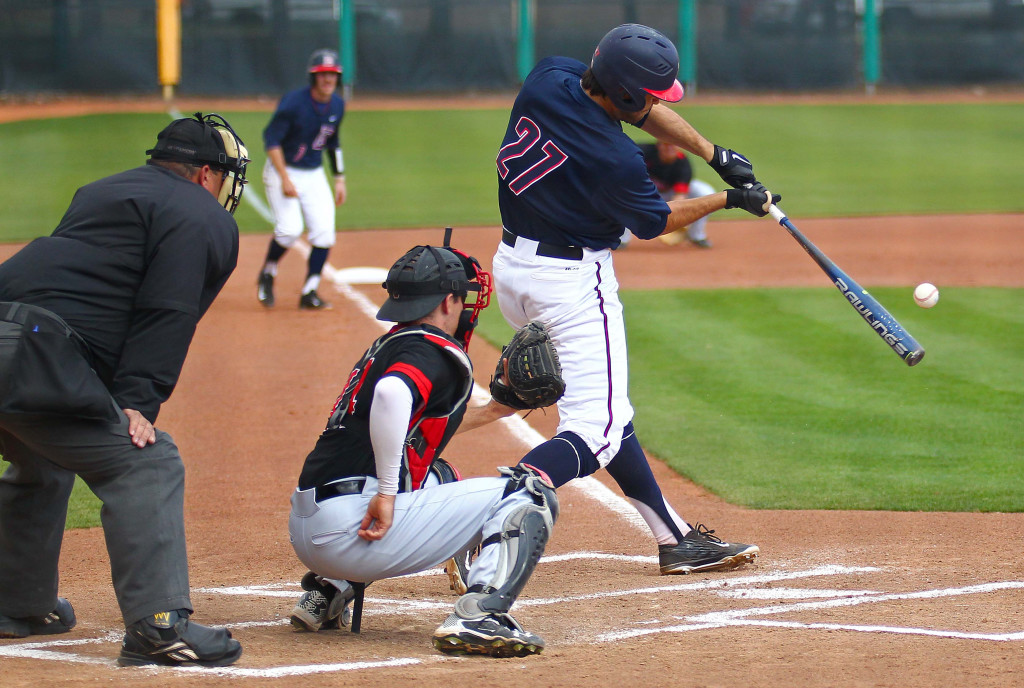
(810, 600)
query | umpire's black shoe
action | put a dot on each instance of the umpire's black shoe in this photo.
(700, 550)
(170, 639)
(265, 289)
(60, 620)
(312, 301)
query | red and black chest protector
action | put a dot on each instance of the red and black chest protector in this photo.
(431, 425)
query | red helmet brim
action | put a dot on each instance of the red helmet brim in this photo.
(673, 94)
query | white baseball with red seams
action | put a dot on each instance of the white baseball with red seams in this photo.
(926, 295)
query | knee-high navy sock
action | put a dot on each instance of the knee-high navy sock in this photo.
(633, 474)
(563, 457)
(317, 258)
(275, 251)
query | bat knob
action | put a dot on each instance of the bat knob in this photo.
(914, 357)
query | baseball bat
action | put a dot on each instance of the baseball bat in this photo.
(879, 319)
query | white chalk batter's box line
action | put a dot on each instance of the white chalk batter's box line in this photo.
(751, 587)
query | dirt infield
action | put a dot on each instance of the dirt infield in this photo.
(837, 598)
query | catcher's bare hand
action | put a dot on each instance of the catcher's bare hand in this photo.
(380, 514)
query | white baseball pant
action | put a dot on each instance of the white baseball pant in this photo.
(578, 300)
(313, 209)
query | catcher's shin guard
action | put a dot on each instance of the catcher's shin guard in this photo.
(524, 534)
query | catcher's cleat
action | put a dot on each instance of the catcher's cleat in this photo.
(60, 620)
(312, 301)
(700, 550)
(265, 289)
(170, 639)
(497, 635)
(322, 606)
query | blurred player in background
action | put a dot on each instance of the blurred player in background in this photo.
(305, 124)
(672, 175)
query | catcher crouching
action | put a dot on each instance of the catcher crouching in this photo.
(374, 498)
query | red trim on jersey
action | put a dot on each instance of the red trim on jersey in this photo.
(433, 430)
(422, 382)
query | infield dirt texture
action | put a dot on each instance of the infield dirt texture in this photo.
(837, 597)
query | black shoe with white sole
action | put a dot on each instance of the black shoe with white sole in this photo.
(700, 550)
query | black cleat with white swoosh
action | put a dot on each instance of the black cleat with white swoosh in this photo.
(170, 639)
(700, 550)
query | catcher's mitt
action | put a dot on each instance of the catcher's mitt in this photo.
(534, 374)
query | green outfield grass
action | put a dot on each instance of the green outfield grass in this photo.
(436, 168)
(785, 399)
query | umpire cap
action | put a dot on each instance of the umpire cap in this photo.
(420, 280)
(195, 141)
(206, 140)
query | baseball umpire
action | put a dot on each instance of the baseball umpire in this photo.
(305, 124)
(95, 323)
(570, 182)
(361, 513)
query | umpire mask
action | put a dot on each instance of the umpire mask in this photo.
(207, 140)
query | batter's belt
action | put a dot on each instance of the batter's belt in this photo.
(547, 250)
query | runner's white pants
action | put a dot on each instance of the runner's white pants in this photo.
(313, 209)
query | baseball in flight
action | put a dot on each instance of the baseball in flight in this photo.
(926, 295)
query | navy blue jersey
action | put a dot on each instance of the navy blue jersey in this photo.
(303, 128)
(567, 173)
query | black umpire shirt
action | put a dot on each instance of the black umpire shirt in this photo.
(134, 264)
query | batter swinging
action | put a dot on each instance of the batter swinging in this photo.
(570, 182)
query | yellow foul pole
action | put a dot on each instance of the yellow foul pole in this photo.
(168, 44)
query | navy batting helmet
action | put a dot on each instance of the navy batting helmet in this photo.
(324, 61)
(632, 60)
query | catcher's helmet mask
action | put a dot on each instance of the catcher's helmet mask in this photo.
(206, 140)
(417, 284)
(633, 60)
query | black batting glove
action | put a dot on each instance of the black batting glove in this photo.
(755, 200)
(732, 167)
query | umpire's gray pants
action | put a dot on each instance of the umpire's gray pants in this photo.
(142, 491)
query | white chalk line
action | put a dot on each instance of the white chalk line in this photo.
(740, 617)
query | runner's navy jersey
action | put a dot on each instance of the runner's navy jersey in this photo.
(567, 173)
(303, 128)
